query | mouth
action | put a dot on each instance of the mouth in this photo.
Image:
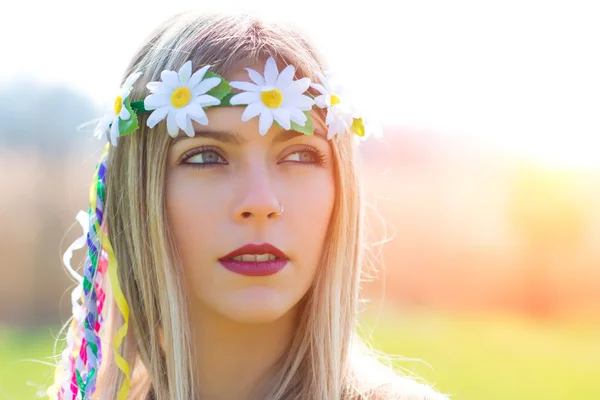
(255, 253)
(255, 260)
(255, 257)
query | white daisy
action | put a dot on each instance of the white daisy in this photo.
(339, 114)
(181, 98)
(118, 111)
(274, 96)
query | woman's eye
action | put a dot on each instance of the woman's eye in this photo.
(303, 156)
(205, 157)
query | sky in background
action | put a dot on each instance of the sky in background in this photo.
(523, 75)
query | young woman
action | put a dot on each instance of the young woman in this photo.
(225, 227)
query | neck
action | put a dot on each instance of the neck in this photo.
(234, 359)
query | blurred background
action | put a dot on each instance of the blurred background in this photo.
(486, 186)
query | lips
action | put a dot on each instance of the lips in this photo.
(255, 267)
(265, 248)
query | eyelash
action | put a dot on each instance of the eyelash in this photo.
(320, 158)
(200, 150)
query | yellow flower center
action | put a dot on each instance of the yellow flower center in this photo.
(180, 97)
(358, 127)
(334, 100)
(118, 105)
(272, 98)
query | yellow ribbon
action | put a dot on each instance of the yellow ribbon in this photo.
(124, 308)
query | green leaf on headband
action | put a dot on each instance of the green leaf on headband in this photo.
(308, 128)
(131, 124)
(226, 101)
(222, 89)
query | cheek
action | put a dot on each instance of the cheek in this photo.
(309, 206)
(193, 213)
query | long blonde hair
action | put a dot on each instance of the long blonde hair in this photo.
(327, 359)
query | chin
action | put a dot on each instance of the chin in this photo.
(257, 305)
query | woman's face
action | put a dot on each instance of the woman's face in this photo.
(223, 191)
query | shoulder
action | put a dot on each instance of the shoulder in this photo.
(396, 387)
(375, 379)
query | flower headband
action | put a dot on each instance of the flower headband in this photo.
(182, 97)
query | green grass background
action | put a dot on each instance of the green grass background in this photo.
(483, 357)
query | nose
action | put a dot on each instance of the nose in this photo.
(258, 200)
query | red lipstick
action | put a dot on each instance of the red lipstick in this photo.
(255, 260)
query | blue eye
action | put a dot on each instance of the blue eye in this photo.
(302, 156)
(203, 157)
(308, 155)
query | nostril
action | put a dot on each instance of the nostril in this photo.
(246, 214)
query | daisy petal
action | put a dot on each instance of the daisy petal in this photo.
(342, 110)
(271, 72)
(252, 111)
(201, 120)
(181, 119)
(131, 79)
(244, 98)
(189, 128)
(184, 123)
(124, 114)
(157, 115)
(185, 72)
(319, 87)
(331, 131)
(114, 132)
(286, 76)
(245, 86)
(172, 125)
(106, 120)
(282, 116)
(297, 116)
(340, 125)
(265, 122)
(124, 92)
(205, 85)
(198, 75)
(304, 103)
(324, 81)
(299, 86)
(206, 100)
(329, 116)
(102, 126)
(98, 132)
(156, 100)
(157, 87)
(256, 77)
(321, 101)
(195, 111)
(170, 78)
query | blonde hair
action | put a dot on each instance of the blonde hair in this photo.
(327, 359)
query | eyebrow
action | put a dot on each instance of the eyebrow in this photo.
(236, 138)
